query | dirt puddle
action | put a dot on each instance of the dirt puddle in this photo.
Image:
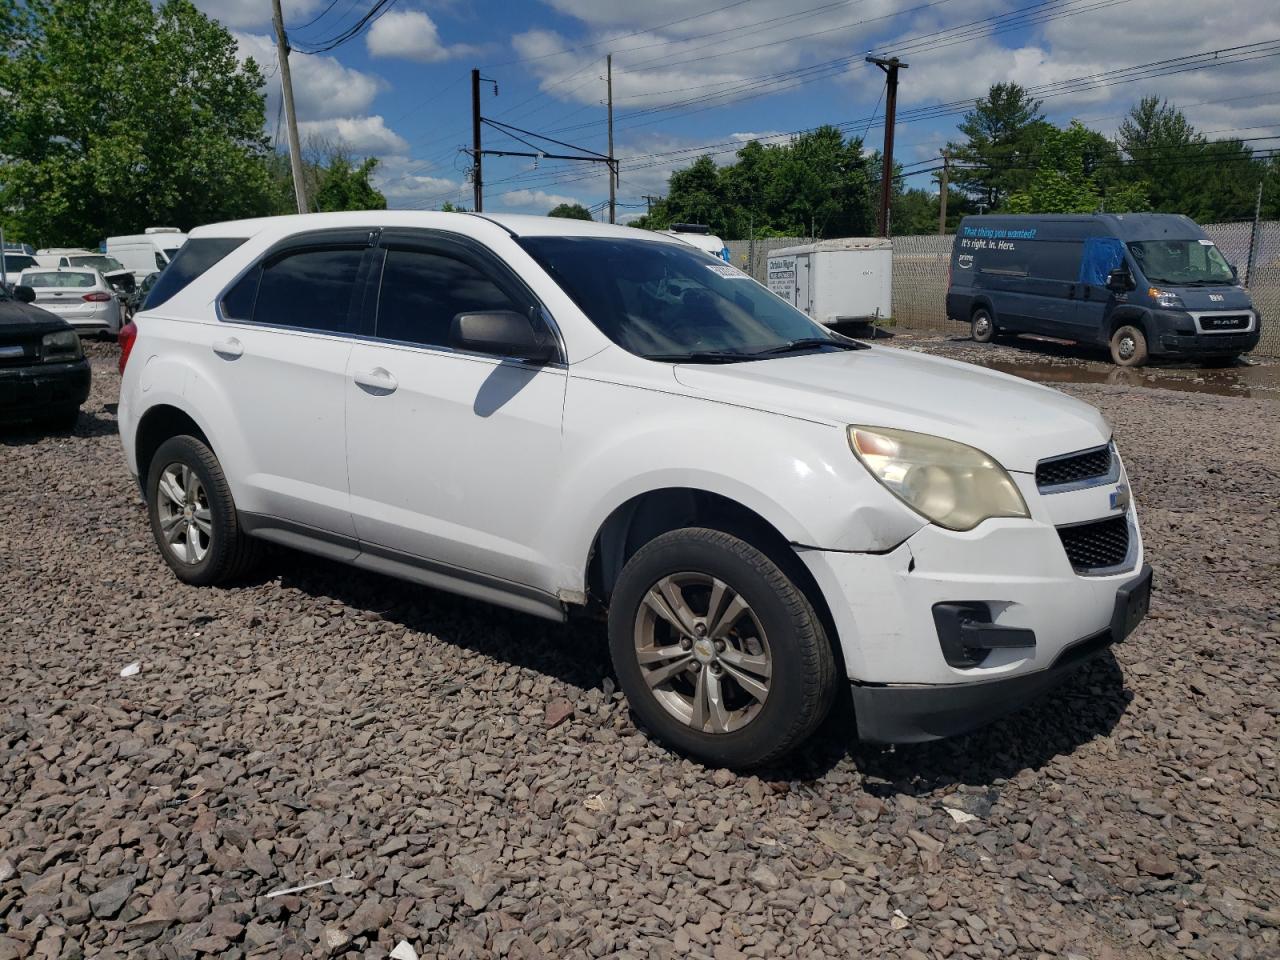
(1261, 381)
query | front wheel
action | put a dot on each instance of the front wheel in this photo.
(718, 652)
(982, 327)
(193, 517)
(1128, 346)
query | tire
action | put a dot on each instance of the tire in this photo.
(206, 553)
(982, 326)
(1128, 346)
(62, 419)
(789, 643)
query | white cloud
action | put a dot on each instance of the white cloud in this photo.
(535, 201)
(322, 87)
(410, 35)
(409, 183)
(363, 136)
(242, 14)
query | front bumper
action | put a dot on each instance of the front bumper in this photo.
(1174, 333)
(31, 391)
(912, 713)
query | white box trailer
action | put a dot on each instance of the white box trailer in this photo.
(836, 280)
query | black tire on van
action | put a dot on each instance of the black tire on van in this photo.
(982, 326)
(1128, 346)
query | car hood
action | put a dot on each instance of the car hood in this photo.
(19, 319)
(1015, 421)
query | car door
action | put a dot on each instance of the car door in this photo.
(450, 454)
(279, 358)
(1050, 287)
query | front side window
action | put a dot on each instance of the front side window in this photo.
(161, 263)
(422, 292)
(309, 288)
(667, 301)
(1181, 262)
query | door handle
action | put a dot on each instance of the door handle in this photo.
(376, 379)
(228, 349)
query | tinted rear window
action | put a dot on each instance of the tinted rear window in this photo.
(193, 259)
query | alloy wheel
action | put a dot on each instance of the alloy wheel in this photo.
(702, 652)
(185, 518)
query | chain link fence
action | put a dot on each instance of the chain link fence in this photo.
(920, 274)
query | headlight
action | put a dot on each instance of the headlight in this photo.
(1164, 298)
(61, 345)
(953, 485)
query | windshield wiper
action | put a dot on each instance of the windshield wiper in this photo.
(699, 356)
(808, 343)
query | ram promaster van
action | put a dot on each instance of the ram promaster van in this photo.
(1142, 284)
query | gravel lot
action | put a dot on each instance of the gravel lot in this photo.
(477, 787)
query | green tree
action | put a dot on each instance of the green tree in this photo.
(1069, 166)
(1183, 172)
(817, 184)
(120, 115)
(570, 211)
(1001, 133)
(346, 187)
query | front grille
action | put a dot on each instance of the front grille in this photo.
(1074, 468)
(1228, 321)
(1097, 545)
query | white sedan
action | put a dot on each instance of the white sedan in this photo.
(82, 297)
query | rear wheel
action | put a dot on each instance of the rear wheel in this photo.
(982, 326)
(718, 652)
(1128, 346)
(193, 517)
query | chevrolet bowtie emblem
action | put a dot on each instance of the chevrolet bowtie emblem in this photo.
(1120, 497)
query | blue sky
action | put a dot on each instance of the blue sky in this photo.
(695, 74)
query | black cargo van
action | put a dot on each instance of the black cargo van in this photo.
(1142, 284)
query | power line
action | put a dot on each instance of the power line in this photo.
(378, 8)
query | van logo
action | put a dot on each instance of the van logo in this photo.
(1216, 297)
(965, 261)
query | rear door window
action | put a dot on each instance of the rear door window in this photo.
(309, 288)
(195, 257)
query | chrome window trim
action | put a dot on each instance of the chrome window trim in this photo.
(1111, 476)
(1197, 314)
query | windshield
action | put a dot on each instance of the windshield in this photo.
(1182, 262)
(668, 301)
(98, 262)
(170, 253)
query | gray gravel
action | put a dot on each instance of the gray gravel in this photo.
(470, 782)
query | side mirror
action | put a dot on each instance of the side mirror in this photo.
(1119, 281)
(1235, 274)
(504, 333)
(24, 293)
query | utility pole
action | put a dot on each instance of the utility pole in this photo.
(942, 196)
(291, 118)
(613, 169)
(477, 177)
(648, 202)
(890, 66)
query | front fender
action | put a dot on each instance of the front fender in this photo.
(798, 475)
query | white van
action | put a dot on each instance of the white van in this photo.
(145, 253)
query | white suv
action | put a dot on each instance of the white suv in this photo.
(559, 416)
